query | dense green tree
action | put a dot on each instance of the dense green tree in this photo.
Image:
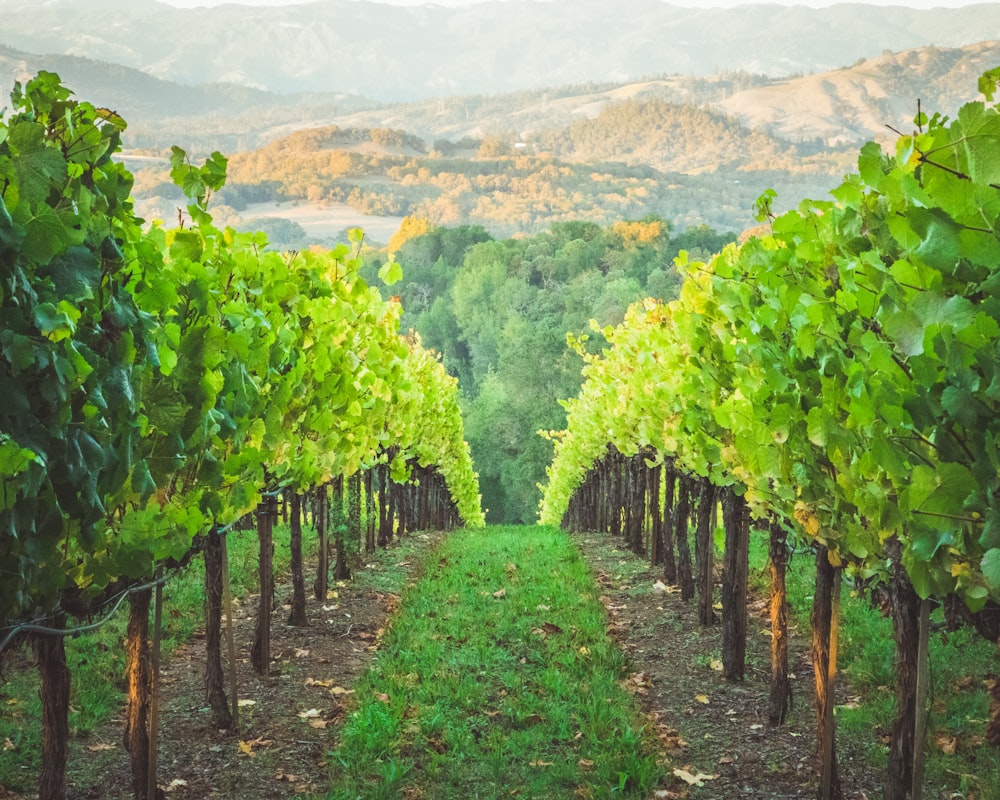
(498, 311)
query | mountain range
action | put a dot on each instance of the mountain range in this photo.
(404, 53)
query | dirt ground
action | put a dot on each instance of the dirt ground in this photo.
(708, 728)
(287, 720)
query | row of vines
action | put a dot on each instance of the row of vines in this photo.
(159, 385)
(836, 378)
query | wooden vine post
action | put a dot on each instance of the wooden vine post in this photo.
(825, 613)
(781, 687)
(906, 612)
(50, 652)
(139, 682)
(321, 519)
(681, 513)
(260, 652)
(735, 567)
(705, 549)
(830, 785)
(154, 704)
(297, 615)
(923, 683)
(227, 597)
(668, 513)
(214, 587)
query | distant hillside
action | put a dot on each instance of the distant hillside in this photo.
(395, 53)
(160, 113)
(849, 105)
(679, 138)
(680, 163)
(844, 106)
(856, 103)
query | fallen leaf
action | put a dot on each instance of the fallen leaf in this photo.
(317, 723)
(300, 653)
(175, 784)
(337, 691)
(584, 651)
(246, 702)
(543, 608)
(725, 760)
(716, 665)
(702, 698)
(946, 744)
(501, 594)
(283, 777)
(260, 741)
(12, 701)
(96, 748)
(551, 627)
(382, 697)
(312, 712)
(324, 684)
(8, 744)
(332, 595)
(540, 763)
(585, 763)
(693, 780)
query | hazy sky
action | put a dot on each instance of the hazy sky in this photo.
(697, 3)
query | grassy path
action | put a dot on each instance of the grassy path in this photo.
(497, 679)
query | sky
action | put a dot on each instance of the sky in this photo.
(923, 4)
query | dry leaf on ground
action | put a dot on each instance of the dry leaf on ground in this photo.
(693, 780)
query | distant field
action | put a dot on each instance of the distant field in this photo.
(323, 220)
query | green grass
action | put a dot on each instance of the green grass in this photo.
(475, 695)
(959, 662)
(93, 657)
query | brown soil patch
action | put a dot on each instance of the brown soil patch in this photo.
(705, 724)
(287, 720)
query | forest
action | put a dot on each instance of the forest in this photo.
(498, 312)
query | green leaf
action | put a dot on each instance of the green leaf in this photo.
(390, 273)
(53, 323)
(990, 566)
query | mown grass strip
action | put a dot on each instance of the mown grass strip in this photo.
(497, 679)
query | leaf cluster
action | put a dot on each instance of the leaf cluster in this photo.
(841, 371)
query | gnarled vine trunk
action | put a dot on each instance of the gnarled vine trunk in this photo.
(906, 631)
(681, 513)
(215, 685)
(705, 552)
(260, 651)
(50, 652)
(822, 628)
(781, 687)
(297, 615)
(735, 566)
